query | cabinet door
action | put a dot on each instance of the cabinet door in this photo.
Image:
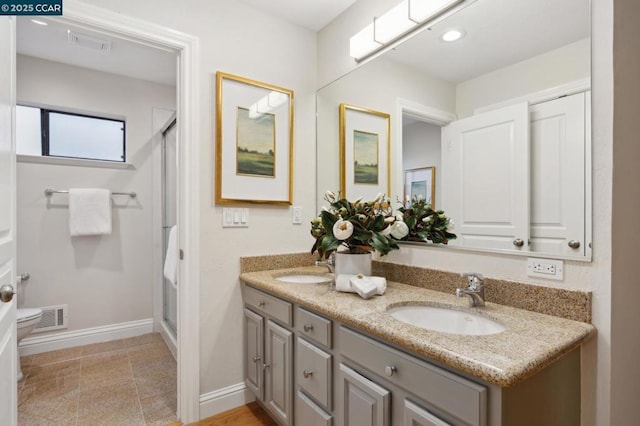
(558, 166)
(485, 178)
(414, 415)
(365, 403)
(277, 369)
(254, 354)
(309, 414)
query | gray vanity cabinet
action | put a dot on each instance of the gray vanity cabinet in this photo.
(277, 371)
(365, 403)
(253, 354)
(268, 344)
(414, 415)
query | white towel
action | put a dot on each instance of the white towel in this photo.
(171, 260)
(89, 211)
(343, 283)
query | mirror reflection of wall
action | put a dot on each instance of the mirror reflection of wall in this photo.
(529, 52)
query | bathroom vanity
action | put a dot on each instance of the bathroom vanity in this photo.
(314, 356)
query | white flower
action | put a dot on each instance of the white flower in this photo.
(451, 225)
(342, 229)
(356, 202)
(419, 197)
(399, 230)
(330, 196)
(379, 197)
(386, 231)
(389, 219)
(427, 219)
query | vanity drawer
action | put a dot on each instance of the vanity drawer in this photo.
(459, 397)
(314, 372)
(270, 305)
(313, 326)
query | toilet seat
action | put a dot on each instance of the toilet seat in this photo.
(28, 314)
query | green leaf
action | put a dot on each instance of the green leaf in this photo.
(328, 220)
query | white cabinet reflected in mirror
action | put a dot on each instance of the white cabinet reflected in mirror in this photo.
(502, 116)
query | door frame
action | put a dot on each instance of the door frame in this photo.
(187, 48)
(422, 112)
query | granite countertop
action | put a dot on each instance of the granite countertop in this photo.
(530, 342)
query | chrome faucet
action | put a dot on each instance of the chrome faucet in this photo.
(475, 289)
(329, 263)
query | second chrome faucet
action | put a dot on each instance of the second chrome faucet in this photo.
(474, 289)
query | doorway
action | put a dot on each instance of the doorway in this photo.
(185, 46)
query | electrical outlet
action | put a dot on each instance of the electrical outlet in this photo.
(296, 215)
(551, 269)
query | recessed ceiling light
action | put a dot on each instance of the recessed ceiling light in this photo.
(452, 35)
(35, 21)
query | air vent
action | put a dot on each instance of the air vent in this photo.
(53, 318)
(102, 46)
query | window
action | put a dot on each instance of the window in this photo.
(49, 133)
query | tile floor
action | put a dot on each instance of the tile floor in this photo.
(125, 382)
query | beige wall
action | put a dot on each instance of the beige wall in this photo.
(107, 279)
(625, 315)
(559, 66)
(240, 40)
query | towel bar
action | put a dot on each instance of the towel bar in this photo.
(49, 192)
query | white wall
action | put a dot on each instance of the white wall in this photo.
(105, 279)
(551, 69)
(594, 276)
(421, 148)
(238, 39)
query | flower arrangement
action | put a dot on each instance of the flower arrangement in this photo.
(426, 224)
(360, 226)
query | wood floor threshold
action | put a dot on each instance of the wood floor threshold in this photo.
(247, 415)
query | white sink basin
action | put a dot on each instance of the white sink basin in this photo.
(304, 279)
(446, 320)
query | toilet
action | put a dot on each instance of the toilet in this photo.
(27, 320)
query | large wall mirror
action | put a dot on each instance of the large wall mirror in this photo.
(495, 127)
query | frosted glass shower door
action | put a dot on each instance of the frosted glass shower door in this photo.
(169, 202)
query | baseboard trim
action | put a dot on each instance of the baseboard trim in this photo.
(68, 339)
(224, 399)
(168, 338)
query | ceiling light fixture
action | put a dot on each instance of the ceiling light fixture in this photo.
(397, 23)
(35, 21)
(452, 35)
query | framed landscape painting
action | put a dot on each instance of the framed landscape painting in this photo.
(254, 141)
(364, 152)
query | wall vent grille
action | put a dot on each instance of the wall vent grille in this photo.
(53, 318)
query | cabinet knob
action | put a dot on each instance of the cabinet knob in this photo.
(574, 244)
(307, 373)
(265, 366)
(390, 370)
(256, 358)
(308, 327)
(518, 242)
(261, 304)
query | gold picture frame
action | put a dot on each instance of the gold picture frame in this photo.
(254, 142)
(365, 154)
(420, 181)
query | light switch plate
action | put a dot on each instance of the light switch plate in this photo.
(296, 215)
(551, 269)
(233, 217)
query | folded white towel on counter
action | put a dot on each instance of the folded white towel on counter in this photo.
(343, 283)
(89, 211)
(171, 260)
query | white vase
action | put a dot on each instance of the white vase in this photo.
(352, 263)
